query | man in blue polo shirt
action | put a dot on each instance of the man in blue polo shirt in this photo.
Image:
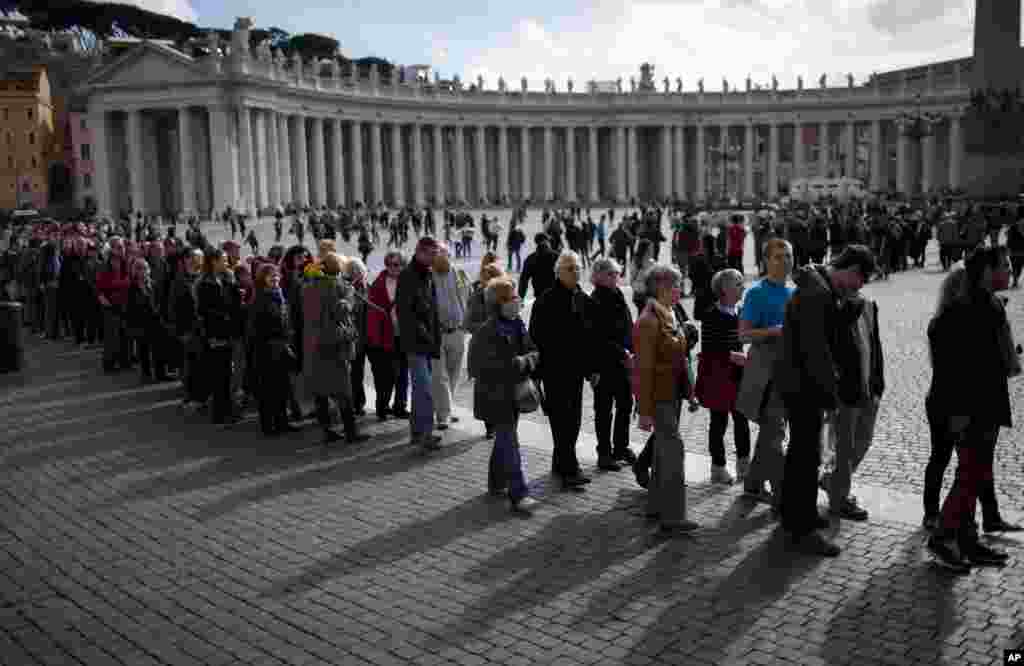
(764, 309)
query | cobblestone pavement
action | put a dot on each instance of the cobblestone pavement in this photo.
(133, 534)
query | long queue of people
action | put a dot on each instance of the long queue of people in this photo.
(790, 359)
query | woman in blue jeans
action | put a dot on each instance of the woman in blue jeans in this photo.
(501, 355)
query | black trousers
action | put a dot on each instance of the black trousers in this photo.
(152, 359)
(217, 371)
(358, 376)
(716, 436)
(613, 392)
(1017, 262)
(799, 506)
(735, 262)
(272, 403)
(943, 445)
(323, 413)
(564, 398)
(390, 376)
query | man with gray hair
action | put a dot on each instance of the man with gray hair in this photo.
(612, 325)
(452, 287)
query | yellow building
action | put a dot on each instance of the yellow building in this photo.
(27, 138)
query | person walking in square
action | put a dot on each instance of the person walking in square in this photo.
(419, 322)
(806, 374)
(612, 327)
(660, 344)
(501, 355)
(719, 372)
(452, 288)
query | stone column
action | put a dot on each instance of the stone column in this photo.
(621, 164)
(666, 161)
(246, 164)
(851, 149)
(927, 163)
(679, 161)
(397, 167)
(798, 151)
(136, 166)
(955, 151)
(222, 165)
(416, 144)
(273, 161)
(773, 160)
(459, 159)
(634, 184)
(186, 161)
(439, 171)
(377, 164)
(480, 150)
(823, 149)
(527, 171)
(318, 164)
(570, 163)
(337, 163)
(592, 165)
(300, 163)
(748, 161)
(101, 161)
(358, 166)
(284, 166)
(723, 148)
(701, 176)
(902, 166)
(503, 175)
(876, 155)
(260, 162)
(549, 165)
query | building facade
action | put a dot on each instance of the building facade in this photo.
(27, 139)
(80, 160)
(251, 130)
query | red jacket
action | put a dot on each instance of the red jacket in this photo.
(736, 234)
(380, 332)
(113, 285)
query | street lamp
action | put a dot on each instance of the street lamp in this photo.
(726, 155)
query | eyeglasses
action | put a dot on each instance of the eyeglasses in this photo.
(393, 264)
(571, 269)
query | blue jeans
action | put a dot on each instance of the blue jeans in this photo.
(421, 421)
(508, 462)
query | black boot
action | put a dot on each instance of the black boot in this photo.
(352, 435)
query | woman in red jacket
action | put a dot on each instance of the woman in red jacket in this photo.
(112, 285)
(387, 362)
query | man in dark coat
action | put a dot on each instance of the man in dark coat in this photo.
(806, 378)
(538, 268)
(420, 326)
(560, 327)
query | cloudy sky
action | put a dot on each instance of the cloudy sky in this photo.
(605, 39)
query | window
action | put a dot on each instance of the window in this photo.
(34, 163)
(84, 125)
(87, 180)
(10, 139)
(7, 114)
(10, 162)
(30, 114)
(31, 138)
(86, 152)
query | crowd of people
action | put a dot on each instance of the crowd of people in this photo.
(793, 351)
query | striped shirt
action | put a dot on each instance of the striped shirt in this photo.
(719, 332)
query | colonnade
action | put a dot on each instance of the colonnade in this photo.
(252, 157)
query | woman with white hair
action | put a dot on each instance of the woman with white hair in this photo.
(720, 371)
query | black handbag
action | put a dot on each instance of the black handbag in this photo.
(528, 396)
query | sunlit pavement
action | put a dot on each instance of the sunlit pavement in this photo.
(132, 533)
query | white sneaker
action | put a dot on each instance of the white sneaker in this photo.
(525, 506)
(719, 474)
(742, 465)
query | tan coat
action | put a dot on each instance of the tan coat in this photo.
(660, 356)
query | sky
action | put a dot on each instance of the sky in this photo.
(606, 39)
